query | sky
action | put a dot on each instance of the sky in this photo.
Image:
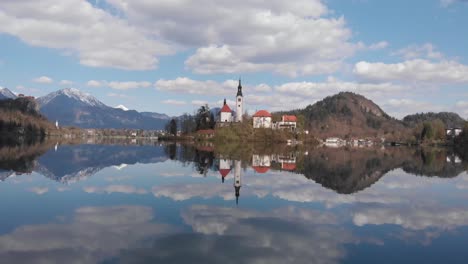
(171, 56)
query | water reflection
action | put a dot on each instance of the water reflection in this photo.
(176, 203)
(342, 170)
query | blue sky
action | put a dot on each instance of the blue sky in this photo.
(171, 56)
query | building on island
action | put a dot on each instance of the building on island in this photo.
(239, 103)
(287, 122)
(225, 113)
(262, 119)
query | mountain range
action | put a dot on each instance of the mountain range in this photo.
(5, 93)
(71, 107)
(343, 114)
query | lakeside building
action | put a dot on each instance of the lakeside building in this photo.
(225, 115)
(287, 122)
(262, 119)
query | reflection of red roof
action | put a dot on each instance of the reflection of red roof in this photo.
(288, 166)
(289, 118)
(224, 172)
(226, 109)
(262, 113)
(261, 169)
(205, 148)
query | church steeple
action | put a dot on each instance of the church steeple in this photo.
(239, 103)
(239, 88)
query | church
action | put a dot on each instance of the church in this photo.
(226, 115)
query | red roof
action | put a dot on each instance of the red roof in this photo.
(261, 169)
(288, 166)
(262, 113)
(226, 109)
(289, 118)
(224, 172)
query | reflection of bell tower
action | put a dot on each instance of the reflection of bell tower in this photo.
(237, 179)
(239, 103)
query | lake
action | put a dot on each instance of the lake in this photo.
(175, 203)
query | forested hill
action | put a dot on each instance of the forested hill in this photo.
(449, 119)
(20, 120)
(349, 115)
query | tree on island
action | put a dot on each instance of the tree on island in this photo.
(204, 118)
(171, 127)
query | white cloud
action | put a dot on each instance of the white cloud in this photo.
(446, 3)
(118, 95)
(119, 85)
(94, 83)
(39, 190)
(299, 38)
(402, 107)
(283, 97)
(93, 235)
(127, 189)
(186, 85)
(427, 50)
(43, 79)
(174, 102)
(418, 70)
(128, 85)
(413, 217)
(379, 45)
(98, 38)
(66, 82)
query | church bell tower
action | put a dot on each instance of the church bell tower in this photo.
(239, 103)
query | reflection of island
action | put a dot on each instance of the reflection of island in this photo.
(20, 159)
(352, 170)
(342, 170)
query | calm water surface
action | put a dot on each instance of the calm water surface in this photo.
(178, 204)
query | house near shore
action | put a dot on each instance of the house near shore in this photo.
(287, 122)
(225, 114)
(262, 119)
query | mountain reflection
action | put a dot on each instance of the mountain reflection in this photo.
(346, 170)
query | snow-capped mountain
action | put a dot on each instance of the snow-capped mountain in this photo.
(71, 94)
(123, 107)
(71, 107)
(5, 93)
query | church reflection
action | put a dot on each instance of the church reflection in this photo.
(225, 167)
(260, 164)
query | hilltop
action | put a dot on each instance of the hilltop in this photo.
(449, 119)
(20, 121)
(349, 114)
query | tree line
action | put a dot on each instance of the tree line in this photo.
(187, 124)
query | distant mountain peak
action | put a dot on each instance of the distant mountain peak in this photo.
(5, 93)
(72, 93)
(123, 107)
